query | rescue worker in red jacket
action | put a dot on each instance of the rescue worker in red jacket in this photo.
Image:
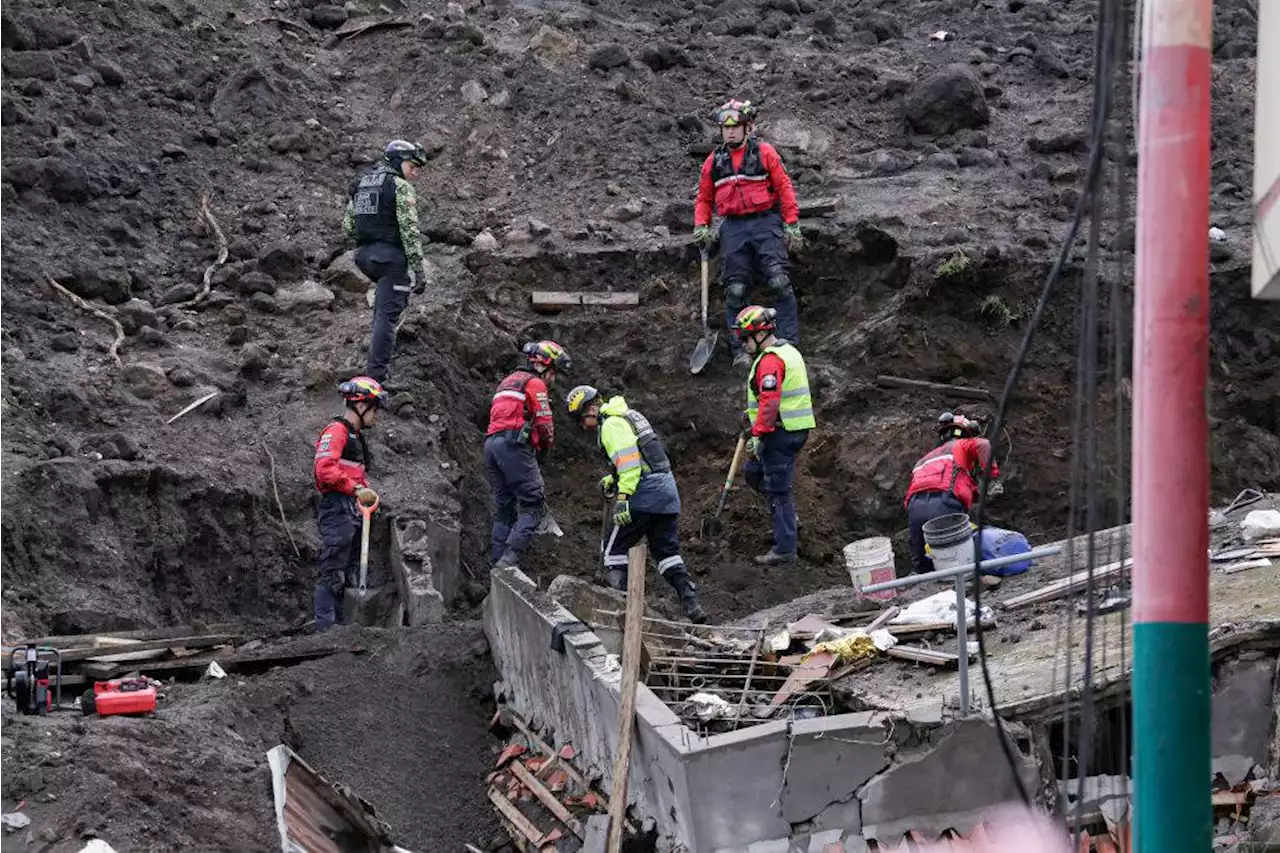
(746, 184)
(521, 433)
(945, 480)
(341, 472)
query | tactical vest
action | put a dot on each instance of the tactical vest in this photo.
(795, 409)
(647, 440)
(752, 166)
(373, 197)
(936, 471)
(356, 452)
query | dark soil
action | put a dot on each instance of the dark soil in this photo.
(195, 776)
(119, 115)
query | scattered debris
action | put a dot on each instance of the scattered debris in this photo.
(206, 214)
(1261, 524)
(966, 392)
(275, 490)
(553, 300)
(114, 350)
(193, 406)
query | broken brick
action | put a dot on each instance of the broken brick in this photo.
(510, 752)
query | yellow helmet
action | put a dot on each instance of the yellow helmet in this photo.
(579, 399)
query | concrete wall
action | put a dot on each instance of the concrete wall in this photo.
(777, 786)
(1245, 704)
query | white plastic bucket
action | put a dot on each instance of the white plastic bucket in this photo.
(950, 541)
(870, 561)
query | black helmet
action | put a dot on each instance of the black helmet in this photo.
(398, 151)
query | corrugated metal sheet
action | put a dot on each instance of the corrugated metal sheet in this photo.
(318, 816)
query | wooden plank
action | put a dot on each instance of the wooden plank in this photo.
(108, 671)
(931, 627)
(1246, 565)
(878, 622)
(556, 299)
(632, 639)
(930, 656)
(547, 798)
(964, 391)
(1066, 586)
(71, 641)
(115, 647)
(517, 819)
(597, 834)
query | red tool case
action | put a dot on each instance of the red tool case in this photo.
(122, 696)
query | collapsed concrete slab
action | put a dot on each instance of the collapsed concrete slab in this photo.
(425, 562)
(1244, 706)
(781, 784)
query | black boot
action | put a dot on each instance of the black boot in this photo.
(688, 592)
(616, 578)
(509, 560)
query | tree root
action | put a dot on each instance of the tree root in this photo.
(114, 350)
(207, 216)
(280, 504)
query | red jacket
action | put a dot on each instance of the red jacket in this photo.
(522, 398)
(768, 384)
(340, 460)
(952, 467)
(745, 180)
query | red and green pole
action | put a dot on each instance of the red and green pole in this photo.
(1171, 679)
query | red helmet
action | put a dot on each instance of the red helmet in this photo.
(360, 389)
(755, 318)
(548, 353)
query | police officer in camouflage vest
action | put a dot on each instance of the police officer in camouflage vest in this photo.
(382, 217)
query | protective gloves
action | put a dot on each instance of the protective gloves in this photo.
(609, 486)
(754, 446)
(702, 235)
(366, 495)
(794, 237)
(622, 511)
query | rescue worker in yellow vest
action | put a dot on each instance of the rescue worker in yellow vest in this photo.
(646, 500)
(779, 416)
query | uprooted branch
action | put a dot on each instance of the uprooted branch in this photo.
(280, 504)
(114, 349)
(206, 214)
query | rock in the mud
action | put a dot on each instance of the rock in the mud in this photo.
(625, 212)
(485, 242)
(942, 161)
(282, 260)
(464, 32)
(1069, 142)
(948, 100)
(890, 161)
(882, 24)
(135, 314)
(111, 285)
(551, 44)
(237, 336)
(64, 180)
(473, 93)
(501, 101)
(343, 274)
(151, 336)
(328, 17)
(126, 447)
(182, 377)
(264, 302)
(607, 56)
(37, 64)
(254, 359)
(82, 83)
(305, 296)
(978, 157)
(145, 380)
(174, 151)
(65, 342)
(825, 23)
(181, 292)
(538, 228)
(664, 55)
(111, 73)
(256, 282)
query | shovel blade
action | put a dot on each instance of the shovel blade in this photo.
(548, 526)
(711, 528)
(703, 351)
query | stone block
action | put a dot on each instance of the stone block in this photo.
(411, 565)
(831, 758)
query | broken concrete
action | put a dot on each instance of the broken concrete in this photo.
(784, 785)
(1244, 706)
(926, 792)
(425, 563)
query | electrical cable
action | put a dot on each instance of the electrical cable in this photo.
(1102, 105)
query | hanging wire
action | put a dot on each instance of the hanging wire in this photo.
(1104, 41)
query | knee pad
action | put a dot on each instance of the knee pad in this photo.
(538, 510)
(735, 291)
(616, 578)
(780, 286)
(754, 478)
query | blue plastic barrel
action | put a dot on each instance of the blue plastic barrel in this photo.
(997, 542)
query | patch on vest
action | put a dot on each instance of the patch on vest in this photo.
(368, 194)
(769, 383)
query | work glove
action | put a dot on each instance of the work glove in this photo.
(754, 446)
(794, 237)
(366, 495)
(609, 486)
(702, 236)
(622, 511)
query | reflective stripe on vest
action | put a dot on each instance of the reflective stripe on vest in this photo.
(796, 407)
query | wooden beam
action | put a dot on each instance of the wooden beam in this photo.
(547, 798)
(108, 671)
(1066, 586)
(114, 647)
(70, 641)
(632, 640)
(552, 300)
(930, 627)
(919, 655)
(517, 819)
(964, 391)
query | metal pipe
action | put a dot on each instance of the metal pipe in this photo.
(944, 574)
(1171, 668)
(962, 641)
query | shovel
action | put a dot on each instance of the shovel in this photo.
(353, 598)
(711, 526)
(707, 346)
